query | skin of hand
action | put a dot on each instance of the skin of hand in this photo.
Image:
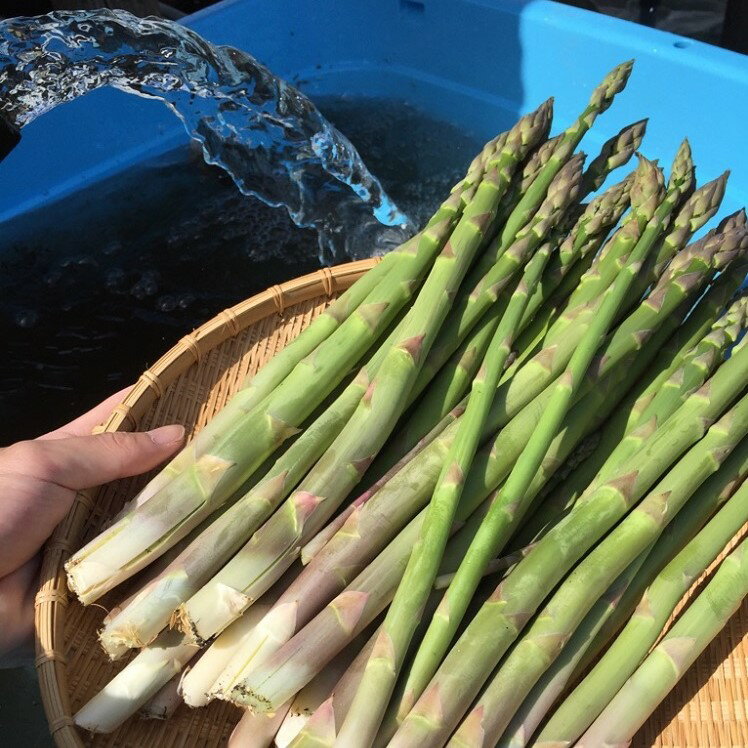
(38, 482)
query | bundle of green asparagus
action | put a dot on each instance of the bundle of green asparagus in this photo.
(524, 430)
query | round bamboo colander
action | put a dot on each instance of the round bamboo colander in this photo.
(189, 385)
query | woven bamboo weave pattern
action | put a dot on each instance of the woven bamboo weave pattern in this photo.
(189, 385)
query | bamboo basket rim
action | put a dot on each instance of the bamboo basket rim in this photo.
(51, 602)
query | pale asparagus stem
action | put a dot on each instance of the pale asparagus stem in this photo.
(328, 718)
(453, 379)
(166, 517)
(476, 653)
(381, 671)
(264, 558)
(347, 618)
(315, 545)
(665, 588)
(197, 682)
(316, 692)
(641, 403)
(134, 686)
(257, 730)
(142, 617)
(164, 703)
(670, 659)
(495, 530)
(541, 644)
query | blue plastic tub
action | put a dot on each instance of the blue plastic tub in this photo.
(477, 63)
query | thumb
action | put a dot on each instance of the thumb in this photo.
(85, 461)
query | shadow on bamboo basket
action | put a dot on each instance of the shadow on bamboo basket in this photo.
(189, 385)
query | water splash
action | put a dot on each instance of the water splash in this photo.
(265, 133)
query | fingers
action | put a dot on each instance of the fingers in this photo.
(85, 461)
(84, 424)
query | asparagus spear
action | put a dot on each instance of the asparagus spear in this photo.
(559, 617)
(616, 151)
(384, 664)
(273, 548)
(221, 464)
(685, 527)
(677, 651)
(650, 617)
(319, 541)
(492, 534)
(369, 528)
(466, 316)
(475, 654)
(682, 344)
(554, 680)
(288, 669)
(453, 379)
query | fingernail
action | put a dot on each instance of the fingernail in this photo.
(167, 434)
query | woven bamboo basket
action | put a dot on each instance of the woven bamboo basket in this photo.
(189, 385)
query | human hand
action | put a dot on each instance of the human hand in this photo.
(38, 482)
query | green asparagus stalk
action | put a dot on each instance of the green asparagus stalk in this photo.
(286, 671)
(466, 316)
(370, 527)
(378, 680)
(601, 99)
(691, 216)
(630, 415)
(649, 619)
(559, 618)
(221, 466)
(315, 545)
(453, 379)
(646, 193)
(616, 251)
(677, 651)
(271, 374)
(492, 534)
(710, 497)
(476, 653)
(274, 547)
(552, 683)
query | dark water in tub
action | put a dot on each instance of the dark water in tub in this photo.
(95, 289)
